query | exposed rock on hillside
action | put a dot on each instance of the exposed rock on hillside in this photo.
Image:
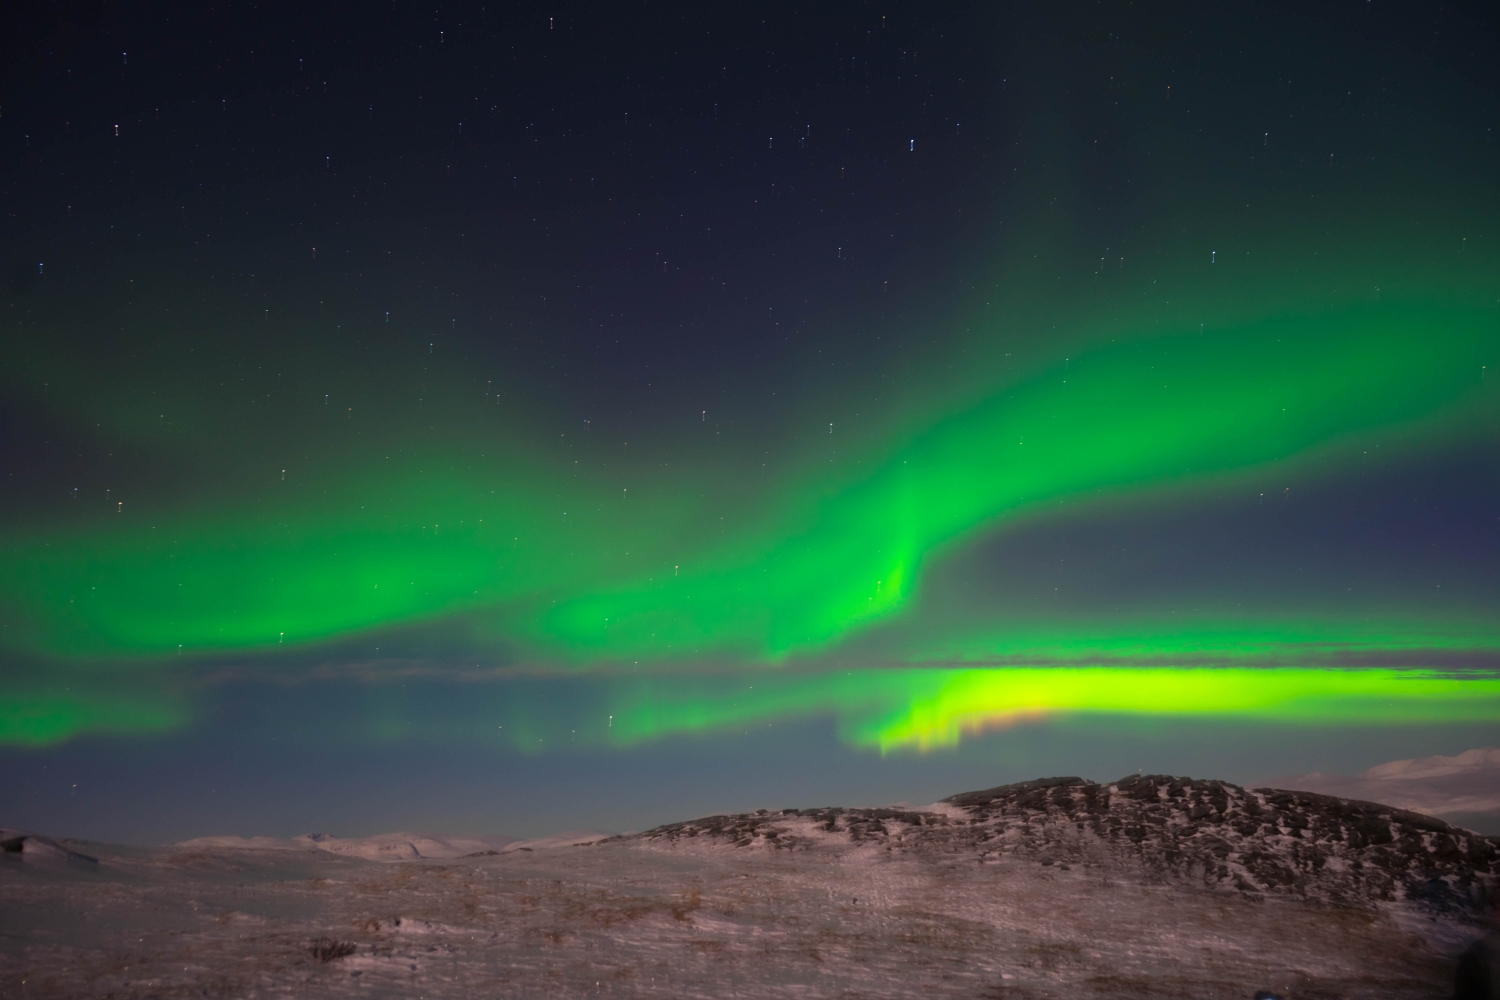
(1265, 841)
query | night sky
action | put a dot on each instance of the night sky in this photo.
(519, 418)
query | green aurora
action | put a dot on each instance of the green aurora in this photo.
(489, 550)
(583, 572)
(295, 531)
(1143, 415)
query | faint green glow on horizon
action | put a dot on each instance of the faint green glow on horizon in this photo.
(43, 718)
(1327, 642)
(924, 710)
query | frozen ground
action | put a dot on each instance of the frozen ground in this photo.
(1151, 887)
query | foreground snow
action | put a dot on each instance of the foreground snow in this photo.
(1151, 887)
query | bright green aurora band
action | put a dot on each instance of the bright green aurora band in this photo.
(620, 582)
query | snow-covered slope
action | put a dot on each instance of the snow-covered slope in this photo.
(381, 847)
(1147, 887)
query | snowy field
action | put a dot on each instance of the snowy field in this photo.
(1081, 890)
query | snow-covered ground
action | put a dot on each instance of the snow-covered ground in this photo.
(1152, 887)
(381, 847)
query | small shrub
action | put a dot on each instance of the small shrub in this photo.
(327, 949)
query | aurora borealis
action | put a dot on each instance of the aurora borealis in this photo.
(913, 381)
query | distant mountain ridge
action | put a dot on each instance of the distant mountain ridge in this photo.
(1463, 789)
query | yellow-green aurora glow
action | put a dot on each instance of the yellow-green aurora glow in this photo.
(928, 709)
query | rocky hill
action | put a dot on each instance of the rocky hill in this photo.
(1210, 833)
